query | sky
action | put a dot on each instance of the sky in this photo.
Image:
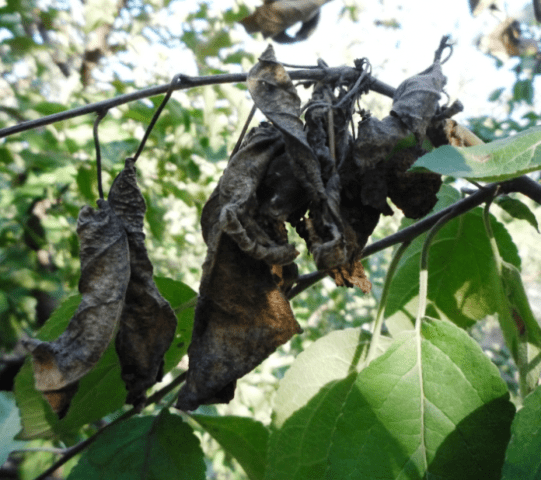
(396, 54)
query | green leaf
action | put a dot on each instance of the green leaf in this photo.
(332, 357)
(529, 348)
(496, 94)
(9, 425)
(499, 160)
(309, 400)
(522, 459)
(517, 209)
(86, 177)
(432, 406)
(460, 262)
(48, 108)
(523, 90)
(243, 438)
(158, 447)
(154, 216)
(177, 294)
(100, 392)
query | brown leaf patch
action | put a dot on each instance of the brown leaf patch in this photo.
(242, 316)
(273, 17)
(350, 276)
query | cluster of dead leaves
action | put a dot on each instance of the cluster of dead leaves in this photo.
(329, 185)
(118, 296)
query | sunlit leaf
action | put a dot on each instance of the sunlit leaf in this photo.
(310, 398)
(492, 162)
(433, 406)
(460, 263)
(517, 209)
(9, 425)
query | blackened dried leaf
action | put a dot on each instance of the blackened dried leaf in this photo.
(375, 141)
(242, 316)
(413, 192)
(148, 323)
(238, 204)
(274, 94)
(416, 99)
(105, 270)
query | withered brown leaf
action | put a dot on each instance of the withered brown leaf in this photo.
(274, 94)
(147, 323)
(374, 172)
(242, 316)
(275, 16)
(105, 270)
(239, 201)
(416, 99)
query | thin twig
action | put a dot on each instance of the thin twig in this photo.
(348, 73)
(405, 235)
(99, 118)
(170, 90)
(244, 129)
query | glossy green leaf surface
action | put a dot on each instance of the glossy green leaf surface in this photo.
(522, 459)
(177, 294)
(517, 209)
(499, 160)
(310, 398)
(243, 438)
(158, 447)
(460, 266)
(432, 406)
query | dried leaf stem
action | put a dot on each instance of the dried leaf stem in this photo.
(314, 74)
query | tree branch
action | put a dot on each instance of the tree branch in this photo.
(523, 184)
(186, 82)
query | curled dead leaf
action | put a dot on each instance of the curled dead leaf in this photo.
(242, 316)
(274, 94)
(240, 199)
(105, 270)
(147, 323)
